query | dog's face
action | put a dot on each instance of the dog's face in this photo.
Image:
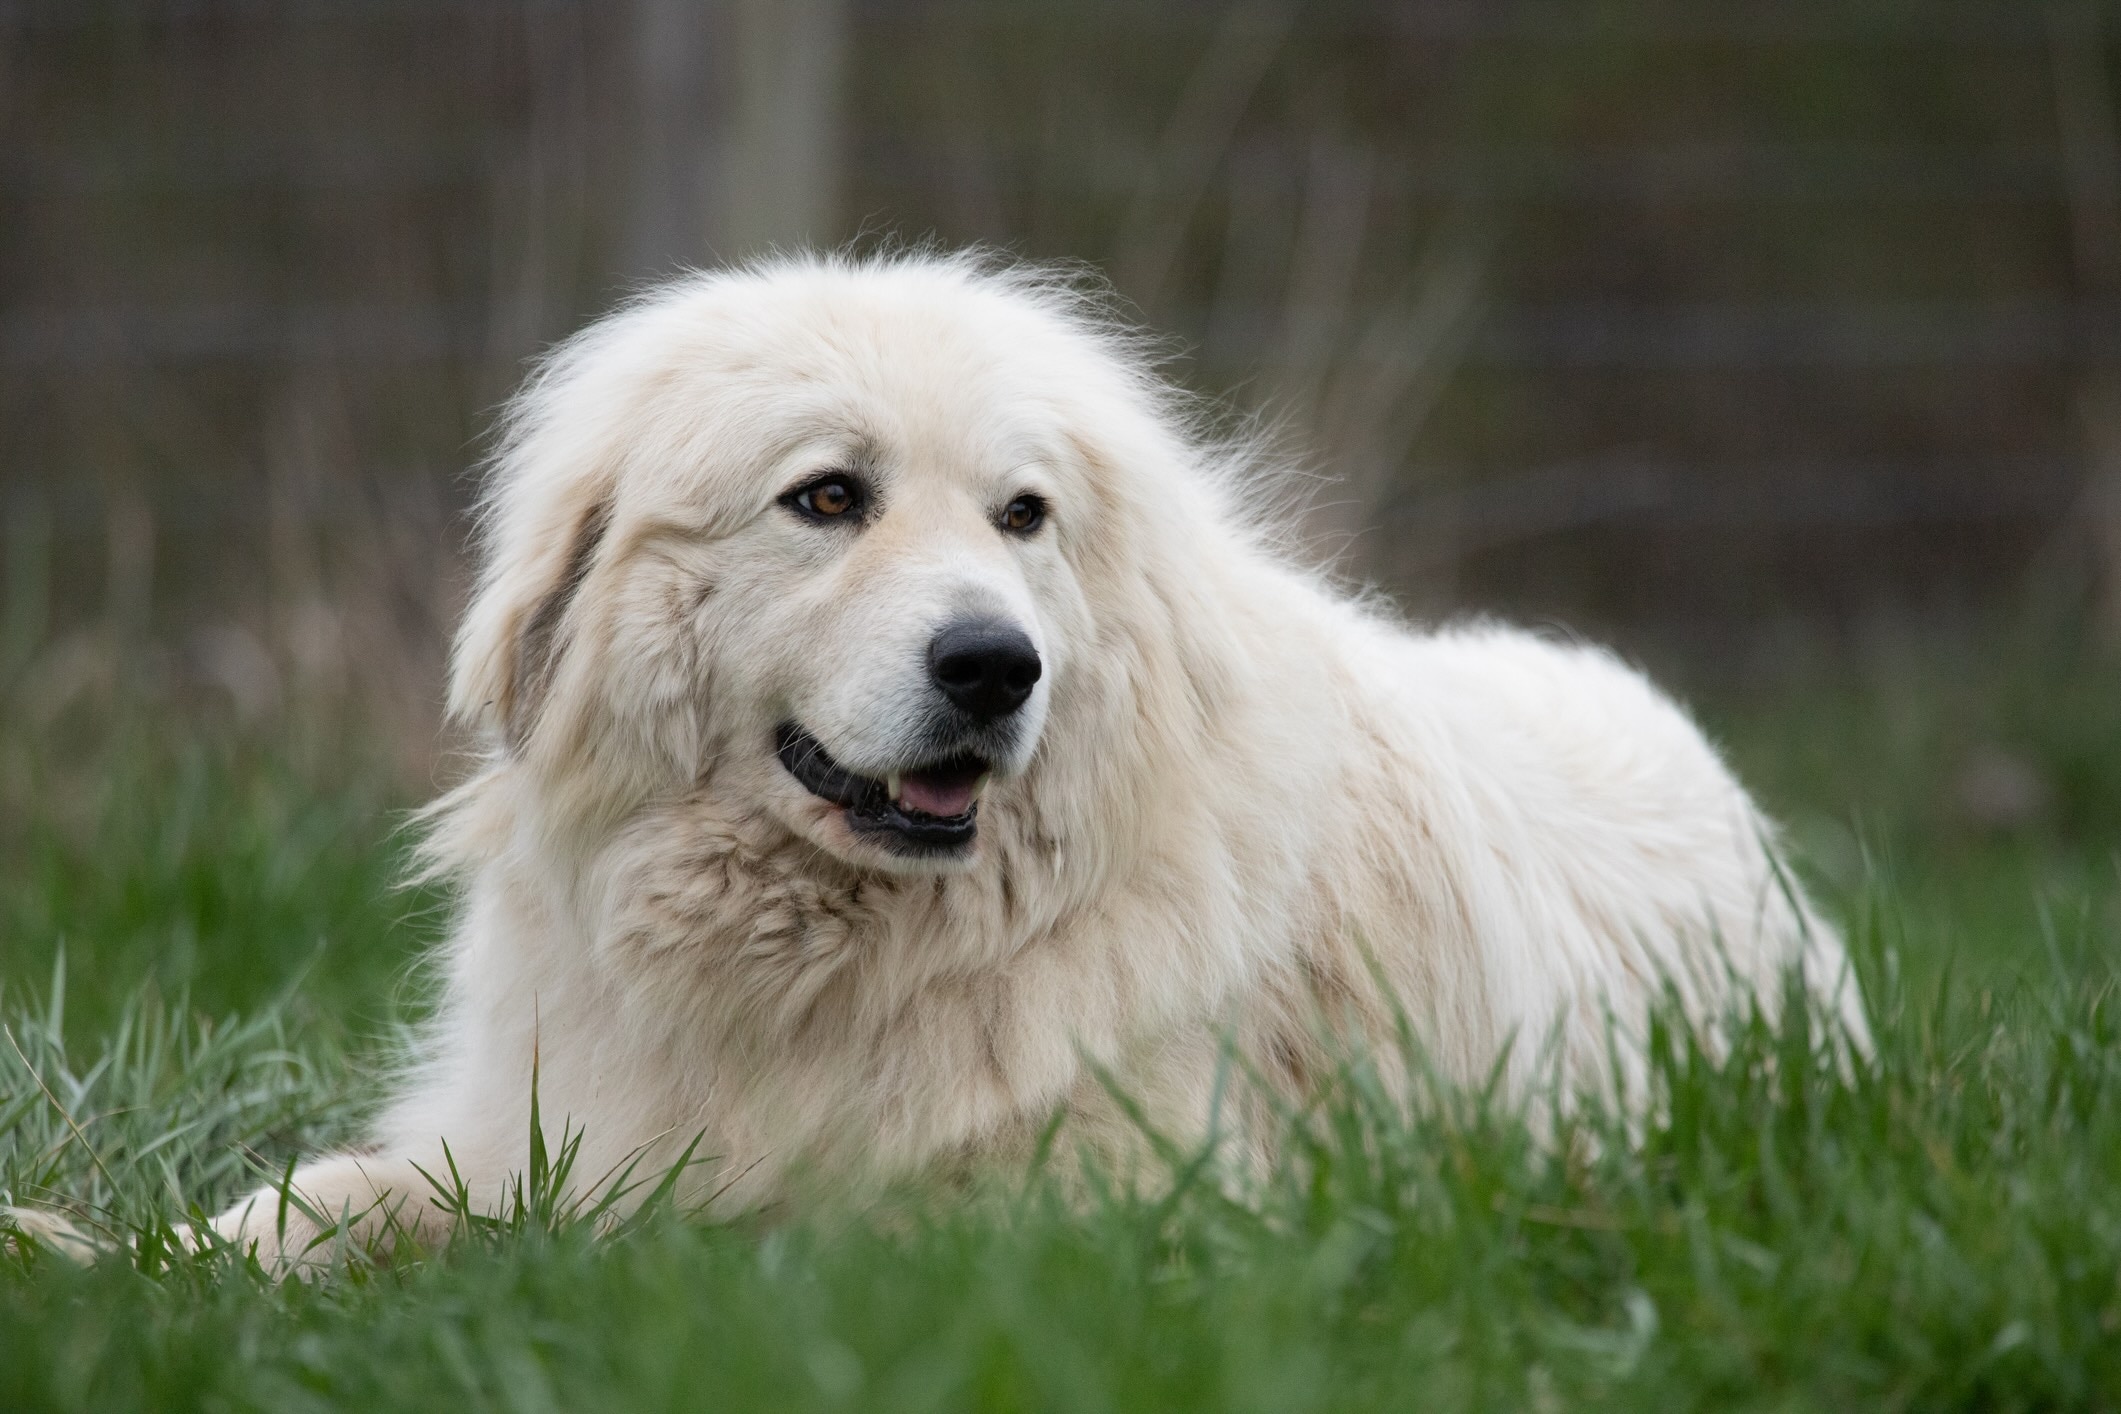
(887, 616)
(815, 540)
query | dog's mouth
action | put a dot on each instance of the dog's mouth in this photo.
(931, 808)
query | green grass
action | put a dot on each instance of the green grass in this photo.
(1939, 1229)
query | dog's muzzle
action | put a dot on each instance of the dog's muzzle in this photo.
(927, 809)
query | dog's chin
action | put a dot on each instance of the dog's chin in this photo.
(924, 819)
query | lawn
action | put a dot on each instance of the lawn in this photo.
(202, 958)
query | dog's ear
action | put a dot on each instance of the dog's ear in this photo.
(517, 629)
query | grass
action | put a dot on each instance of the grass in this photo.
(202, 958)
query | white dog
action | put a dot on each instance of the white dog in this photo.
(899, 730)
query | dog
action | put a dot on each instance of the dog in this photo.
(903, 731)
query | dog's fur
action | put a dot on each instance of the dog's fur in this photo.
(1239, 806)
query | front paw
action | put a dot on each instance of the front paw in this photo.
(351, 1206)
(52, 1232)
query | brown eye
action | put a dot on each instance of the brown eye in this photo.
(1023, 515)
(829, 498)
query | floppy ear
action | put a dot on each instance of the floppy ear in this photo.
(516, 630)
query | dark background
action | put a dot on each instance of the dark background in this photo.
(1714, 327)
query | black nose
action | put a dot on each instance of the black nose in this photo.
(986, 668)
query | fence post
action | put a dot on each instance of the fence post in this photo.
(738, 143)
(2091, 153)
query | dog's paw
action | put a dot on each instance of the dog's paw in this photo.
(51, 1232)
(348, 1207)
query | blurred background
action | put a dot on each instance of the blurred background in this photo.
(1737, 331)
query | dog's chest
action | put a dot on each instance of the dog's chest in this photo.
(763, 932)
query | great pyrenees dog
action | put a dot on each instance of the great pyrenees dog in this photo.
(901, 731)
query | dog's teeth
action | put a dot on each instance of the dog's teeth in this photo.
(979, 787)
(891, 784)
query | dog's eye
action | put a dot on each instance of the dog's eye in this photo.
(1023, 515)
(828, 498)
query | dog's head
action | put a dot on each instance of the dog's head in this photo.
(831, 539)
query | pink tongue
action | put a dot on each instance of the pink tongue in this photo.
(937, 794)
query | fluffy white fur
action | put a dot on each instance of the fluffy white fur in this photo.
(1242, 804)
